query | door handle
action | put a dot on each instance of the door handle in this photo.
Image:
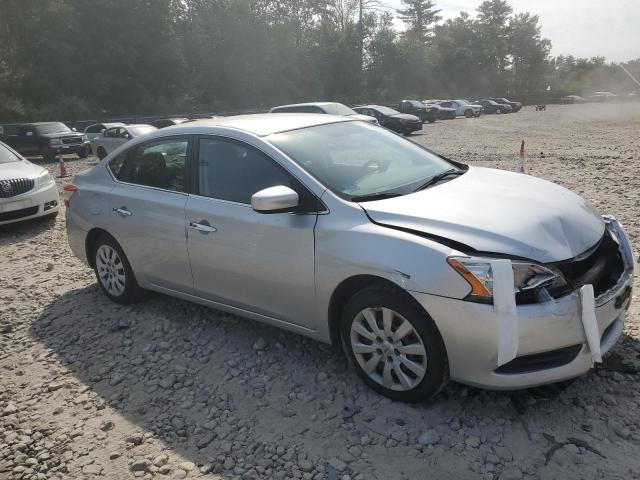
(202, 226)
(122, 211)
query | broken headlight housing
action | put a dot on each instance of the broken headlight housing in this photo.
(528, 278)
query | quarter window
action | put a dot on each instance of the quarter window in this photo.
(160, 164)
(233, 171)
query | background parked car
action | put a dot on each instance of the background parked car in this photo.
(572, 99)
(26, 190)
(47, 139)
(95, 130)
(112, 138)
(489, 106)
(330, 108)
(426, 113)
(168, 122)
(515, 106)
(462, 107)
(392, 119)
(443, 113)
(602, 97)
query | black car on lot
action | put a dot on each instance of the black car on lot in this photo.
(490, 106)
(392, 119)
(168, 122)
(47, 139)
(426, 113)
(515, 106)
(443, 113)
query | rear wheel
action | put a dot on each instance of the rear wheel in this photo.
(468, 113)
(113, 272)
(498, 110)
(101, 152)
(393, 344)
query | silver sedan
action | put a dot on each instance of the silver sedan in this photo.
(422, 268)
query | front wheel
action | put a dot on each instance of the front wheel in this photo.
(468, 113)
(394, 344)
(84, 153)
(113, 272)
(498, 110)
(101, 152)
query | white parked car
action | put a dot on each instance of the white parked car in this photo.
(26, 190)
(97, 129)
(113, 137)
(463, 108)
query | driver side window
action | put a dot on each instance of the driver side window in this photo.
(233, 171)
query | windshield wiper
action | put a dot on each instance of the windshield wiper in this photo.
(375, 196)
(453, 172)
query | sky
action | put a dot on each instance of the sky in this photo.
(583, 28)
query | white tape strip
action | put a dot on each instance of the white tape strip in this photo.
(504, 306)
(590, 323)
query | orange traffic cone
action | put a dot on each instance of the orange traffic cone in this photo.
(520, 165)
(63, 169)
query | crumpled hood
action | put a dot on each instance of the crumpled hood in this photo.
(22, 169)
(499, 212)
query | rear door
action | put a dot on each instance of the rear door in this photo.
(263, 263)
(147, 211)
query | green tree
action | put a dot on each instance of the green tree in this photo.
(420, 16)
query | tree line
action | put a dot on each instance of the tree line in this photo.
(75, 59)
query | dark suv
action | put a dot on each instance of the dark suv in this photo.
(47, 139)
(415, 107)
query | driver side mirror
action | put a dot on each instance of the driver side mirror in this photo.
(278, 199)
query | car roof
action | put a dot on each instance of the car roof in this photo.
(261, 124)
(136, 125)
(308, 104)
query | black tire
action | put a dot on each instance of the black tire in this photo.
(468, 113)
(84, 153)
(431, 119)
(131, 292)
(437, 371)
(101, 153)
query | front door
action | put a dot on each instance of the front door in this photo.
(147, 211)
(263, 263)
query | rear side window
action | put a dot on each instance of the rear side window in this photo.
(161, 164)
(234, 171)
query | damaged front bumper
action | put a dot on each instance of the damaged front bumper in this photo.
(550, 337)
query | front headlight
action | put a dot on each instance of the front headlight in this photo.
(477, 272)
(55, 141)
(44, 179)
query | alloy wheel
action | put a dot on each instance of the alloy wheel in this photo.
(388, 348)
(110, 270)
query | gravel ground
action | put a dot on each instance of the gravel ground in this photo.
(169, 389)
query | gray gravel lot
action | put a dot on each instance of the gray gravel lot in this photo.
(168, 389)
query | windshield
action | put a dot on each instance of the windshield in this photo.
(463, 102)
(141, 130)
(416, 103)
(338, 109)
(56, 127)
(356, 159)
(7, 156)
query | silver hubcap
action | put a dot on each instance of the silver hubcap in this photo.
(110, 270)
(388, 348)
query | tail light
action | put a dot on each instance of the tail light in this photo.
(69, 190)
